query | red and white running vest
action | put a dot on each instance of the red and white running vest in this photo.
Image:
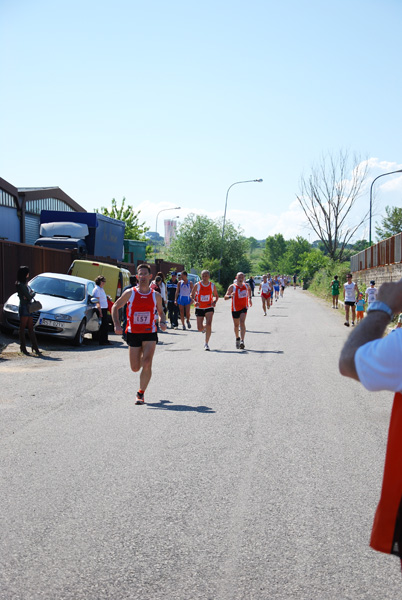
(240, 298)
(141, 312)
(204, 295)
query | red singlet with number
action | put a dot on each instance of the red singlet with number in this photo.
(240, 298)
(141, 312)
(204, 295)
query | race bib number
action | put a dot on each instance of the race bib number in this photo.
(204, 298)
(243, 294)
(142, 318)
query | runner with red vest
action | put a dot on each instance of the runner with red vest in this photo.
(240, 293)
(141, 330)
(205, 296)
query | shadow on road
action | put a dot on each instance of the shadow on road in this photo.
(167, 405)
(247, 350)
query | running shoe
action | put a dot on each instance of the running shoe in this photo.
(184, 328)
(140, 398)
(242, 346)
(237, 343)
(346, 323)
(353, 323)
(206, 347)
(265, 314)
(189, 324)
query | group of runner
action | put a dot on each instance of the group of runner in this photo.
(145, 312)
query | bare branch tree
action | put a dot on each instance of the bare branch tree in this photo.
(327, 197)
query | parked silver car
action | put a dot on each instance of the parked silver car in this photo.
(67, 312)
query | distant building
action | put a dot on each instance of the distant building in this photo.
(170, 231)
(20, 210)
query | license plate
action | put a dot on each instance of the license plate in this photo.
(52, 323)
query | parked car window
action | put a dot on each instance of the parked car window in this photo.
(59, 288)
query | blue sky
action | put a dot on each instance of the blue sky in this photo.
(169, 103)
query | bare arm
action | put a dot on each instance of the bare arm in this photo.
(229, 293)
(124, 298)
(177, 292)
(214, 294)
(159, 308)
(249, 295)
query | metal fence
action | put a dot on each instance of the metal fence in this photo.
(386, 252)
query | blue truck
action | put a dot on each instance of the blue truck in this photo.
(87, 233)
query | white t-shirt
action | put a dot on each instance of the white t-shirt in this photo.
(371, 294)
(101, 295)
(350, 292)
(378, 363)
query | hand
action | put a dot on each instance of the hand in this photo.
(391, 294)
(163, 325)
(118, 329)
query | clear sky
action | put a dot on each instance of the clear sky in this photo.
(169, 103)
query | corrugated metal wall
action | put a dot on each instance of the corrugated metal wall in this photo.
(32, 225)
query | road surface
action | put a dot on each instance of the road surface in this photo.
(248, 475)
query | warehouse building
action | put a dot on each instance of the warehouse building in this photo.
(20, 210)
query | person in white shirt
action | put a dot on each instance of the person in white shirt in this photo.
(376, 361)
(350, 293)
(371, 293)
(102, 305)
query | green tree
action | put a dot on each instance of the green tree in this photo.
(391, 224)
(134, 229)
(274, 251)
(294, 250)
(253, 244)
(311, 262)
(198, 245)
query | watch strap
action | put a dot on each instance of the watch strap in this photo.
(380, 306)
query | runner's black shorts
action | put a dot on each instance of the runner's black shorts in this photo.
(135, 339)
(201, 312)
(236, 313)
(350, 303)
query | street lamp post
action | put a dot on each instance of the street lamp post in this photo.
(371, 197)
(156, 223)
(224, 218)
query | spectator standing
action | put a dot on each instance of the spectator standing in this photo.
(350, 293)
(100, 294)
(173, 309)
(251, 283)
(371, 293)
(26, 295)
(335, 291)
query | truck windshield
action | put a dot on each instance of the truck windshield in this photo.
(59, 288)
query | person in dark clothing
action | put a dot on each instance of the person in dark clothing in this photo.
(251, 283)
(26, 296)
(173, 309)
(133, 283)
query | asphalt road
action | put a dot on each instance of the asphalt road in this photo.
(248, 475)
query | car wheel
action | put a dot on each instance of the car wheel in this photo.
(79, 336)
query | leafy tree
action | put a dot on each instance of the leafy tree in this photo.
(294, 250)
(327, 197)
(134, 229)
(198, 245)
(311, 262)
(275, 248)
(391, 224)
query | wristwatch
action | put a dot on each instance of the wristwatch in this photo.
(381, 306)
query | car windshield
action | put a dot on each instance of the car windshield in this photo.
(60, 288)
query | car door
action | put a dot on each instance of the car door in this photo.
(91, 314)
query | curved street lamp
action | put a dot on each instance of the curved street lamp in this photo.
(371, 196)
(163, 209)
(224, 217)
